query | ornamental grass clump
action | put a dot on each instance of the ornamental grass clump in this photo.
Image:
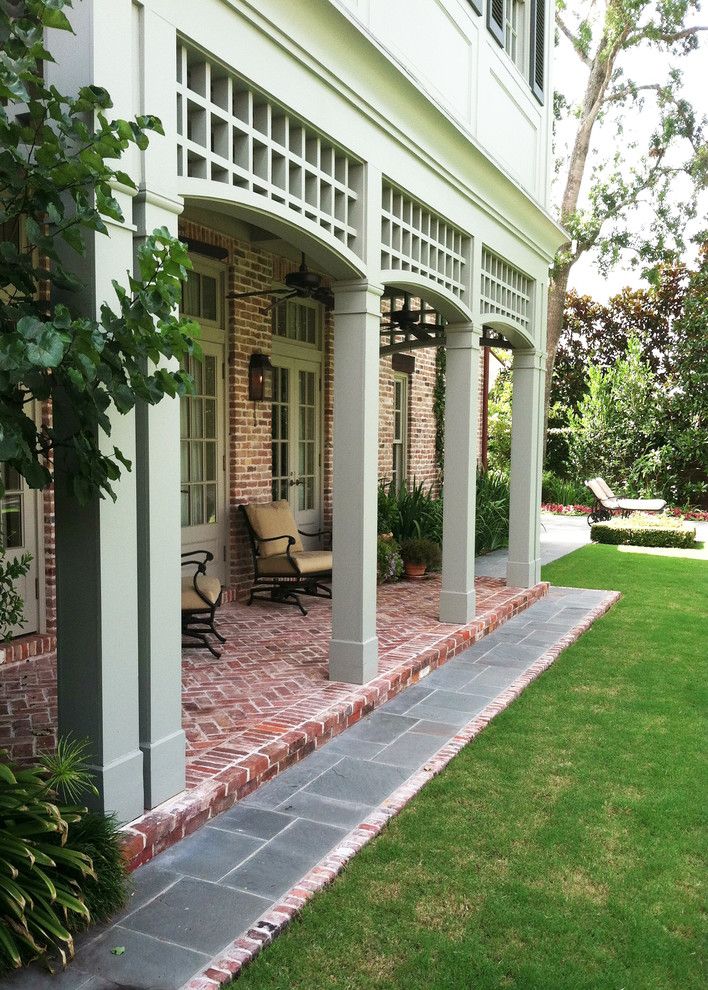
(60, 865)
(639, 530)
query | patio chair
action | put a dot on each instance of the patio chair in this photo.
(607, 503)
(201, 596)
(282, 568)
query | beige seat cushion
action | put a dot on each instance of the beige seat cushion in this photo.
(270, 519)
(642, 504)
(306, 562)
(210, 587)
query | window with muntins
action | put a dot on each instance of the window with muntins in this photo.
(198, 435)
(400, 430)
(298, 321)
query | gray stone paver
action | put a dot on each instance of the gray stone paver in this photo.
(194, 899)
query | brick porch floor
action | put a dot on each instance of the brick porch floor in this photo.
(267, 702)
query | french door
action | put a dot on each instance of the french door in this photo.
(18, 534)
(203, 492)
(297, 438)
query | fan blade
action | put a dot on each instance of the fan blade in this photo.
(256, 292)
(277, 302)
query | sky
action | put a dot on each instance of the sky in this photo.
(644, 66)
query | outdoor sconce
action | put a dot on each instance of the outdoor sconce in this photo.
(260, 378)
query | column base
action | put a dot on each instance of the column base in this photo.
(457, 606)
(120, 787)
(163, 768)
(523, 573)
(353, 663)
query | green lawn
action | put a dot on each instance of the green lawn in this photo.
(562, 849)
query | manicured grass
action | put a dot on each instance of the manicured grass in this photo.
(562, 849)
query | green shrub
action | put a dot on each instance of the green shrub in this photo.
(492, 527)
(644, 532)
(560, 491)
(11, 604)
(389, 563)
(58, 864)
(411, 512)
(422, 551)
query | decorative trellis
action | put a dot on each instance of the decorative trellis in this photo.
(230, 132)
(505, 290)
(414, 239)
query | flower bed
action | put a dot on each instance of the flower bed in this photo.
(645, 531)
(565, 510)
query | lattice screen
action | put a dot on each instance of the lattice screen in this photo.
(414, 239)
(228, 132)
(505, 290)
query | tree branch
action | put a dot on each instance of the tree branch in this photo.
(575, 41)
(619, 94)
(668, 37)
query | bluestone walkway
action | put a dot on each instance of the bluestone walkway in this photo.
(200, 909)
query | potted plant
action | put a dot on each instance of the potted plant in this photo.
(419, 555)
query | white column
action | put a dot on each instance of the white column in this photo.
(353, 655)
(457, 597)
(524, 564)
(162, 738)
(97, 597)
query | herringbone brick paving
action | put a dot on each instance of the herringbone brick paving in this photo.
(272, 674)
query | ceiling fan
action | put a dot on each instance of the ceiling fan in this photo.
(411, 321)
(302, 284)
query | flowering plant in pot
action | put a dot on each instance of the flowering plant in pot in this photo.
(420, 555)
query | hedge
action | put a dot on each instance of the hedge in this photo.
(630, 533)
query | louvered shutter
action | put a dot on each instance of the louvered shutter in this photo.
(538, 48)
(495, 20)
(476, 6)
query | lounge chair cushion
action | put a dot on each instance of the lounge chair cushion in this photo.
(306, 562)
(210, 587)
(641, 504)
(271, 519)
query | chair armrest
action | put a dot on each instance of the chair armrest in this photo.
(271, 539)
(320, 532)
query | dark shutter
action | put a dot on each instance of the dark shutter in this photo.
(538, 48)
(476, 6)
(495, 20)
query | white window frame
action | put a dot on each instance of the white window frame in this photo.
(517, 27)
(399, 446)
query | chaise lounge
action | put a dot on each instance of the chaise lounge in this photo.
(282, 568)
(607, 503)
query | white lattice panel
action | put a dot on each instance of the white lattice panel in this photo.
(506, 291)
(229, 132)
(414, 239)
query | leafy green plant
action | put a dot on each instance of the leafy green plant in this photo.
(11, 604)
(422, 551)
(410, 511)
(561, 491)
(48, 877)
(492, 515)
(643, 531)
(57, 181)
(389, 563)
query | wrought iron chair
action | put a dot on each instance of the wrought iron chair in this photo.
(282, 569)
(607, 503)
(201, 596)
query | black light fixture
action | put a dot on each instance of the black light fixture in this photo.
(260, 378)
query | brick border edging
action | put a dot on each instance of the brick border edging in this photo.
(25, 648)
(244, 949)
(178, 817)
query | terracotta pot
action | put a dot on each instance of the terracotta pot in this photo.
(414, 571)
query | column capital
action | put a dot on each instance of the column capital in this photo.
(462, 335)
(529, 358)
(357, 296)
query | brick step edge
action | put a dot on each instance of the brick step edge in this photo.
(243, 950)
(165, 825)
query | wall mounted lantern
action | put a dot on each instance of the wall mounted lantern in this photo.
(260, 378)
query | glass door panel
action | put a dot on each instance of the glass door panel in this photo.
(296, 438)
(18, 534)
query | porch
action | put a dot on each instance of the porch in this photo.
(268, 701)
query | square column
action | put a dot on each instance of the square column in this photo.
(96, 543)
(457, 597)
(162, 738)
(524, 564)
(353, 654)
